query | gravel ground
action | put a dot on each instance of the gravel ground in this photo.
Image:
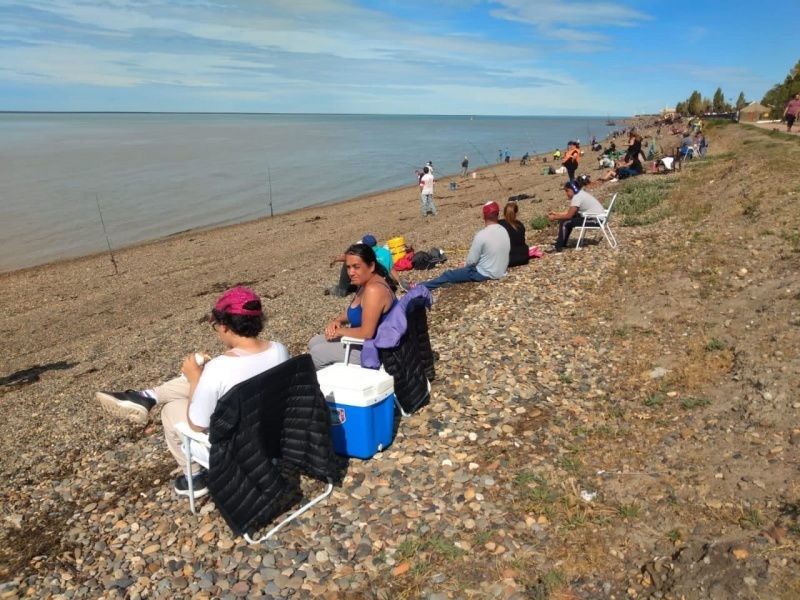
(603, 424)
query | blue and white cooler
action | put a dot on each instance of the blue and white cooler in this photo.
(362, 408)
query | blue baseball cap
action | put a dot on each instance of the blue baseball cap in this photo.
(369, 240)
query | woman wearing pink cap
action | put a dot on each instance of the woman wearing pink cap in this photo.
(238, 319)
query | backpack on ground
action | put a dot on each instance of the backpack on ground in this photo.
(423, 261)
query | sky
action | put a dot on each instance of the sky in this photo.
(461, 57)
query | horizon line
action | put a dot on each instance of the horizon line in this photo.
(169, 112)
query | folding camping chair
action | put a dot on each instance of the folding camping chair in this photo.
(599, 221)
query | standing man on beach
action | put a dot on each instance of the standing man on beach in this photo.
(487, 258)
(464, 166)
(791, 112)
(426, 183)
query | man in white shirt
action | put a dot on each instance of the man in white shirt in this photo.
(426, 183)
(581, 203)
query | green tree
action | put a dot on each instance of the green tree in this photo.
(718, 103)
(694, 105)
(780, 93)
(740, 101)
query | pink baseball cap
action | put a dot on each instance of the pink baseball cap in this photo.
(232, 302)
(491, 209)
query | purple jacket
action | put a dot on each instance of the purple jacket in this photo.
(394, 325)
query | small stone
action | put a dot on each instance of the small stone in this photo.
(777, 533)
(740, 553)
(658, 373)
(240, 588)
(402, 568)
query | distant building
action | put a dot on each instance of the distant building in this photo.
(753, 112)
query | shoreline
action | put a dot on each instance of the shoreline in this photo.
(209, 228)
(141, 203)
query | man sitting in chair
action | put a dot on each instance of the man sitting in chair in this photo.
(238, 319)
(581, 202)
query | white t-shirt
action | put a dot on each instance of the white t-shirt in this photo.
(427, 184)
(221, 373)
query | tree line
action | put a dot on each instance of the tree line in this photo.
(776, 98)
(696, 104)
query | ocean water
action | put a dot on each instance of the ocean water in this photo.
(158, 174)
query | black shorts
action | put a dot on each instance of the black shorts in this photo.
(789, 120)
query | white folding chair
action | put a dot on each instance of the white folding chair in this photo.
(599, 221)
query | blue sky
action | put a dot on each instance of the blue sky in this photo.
(505, 57)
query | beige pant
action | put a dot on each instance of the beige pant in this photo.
(173, 397)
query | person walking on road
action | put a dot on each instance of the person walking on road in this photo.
(791, 112)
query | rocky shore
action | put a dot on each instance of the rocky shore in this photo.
(604, 424)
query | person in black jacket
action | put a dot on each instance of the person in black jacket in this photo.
(518, 254)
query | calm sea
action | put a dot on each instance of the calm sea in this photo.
(157, 174)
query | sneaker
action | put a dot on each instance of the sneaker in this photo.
(199, 484)
(130, 405)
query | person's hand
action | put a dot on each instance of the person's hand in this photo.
(551, 215)
(462, 264)
(333, 261)
(332, 330)
(191, 370)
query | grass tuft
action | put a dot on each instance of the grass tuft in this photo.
(638, 197)
(629, 511)
(692, 403)
(752, 517)
(714, 344)
(540, 222)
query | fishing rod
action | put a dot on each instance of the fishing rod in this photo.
(102, 221)
(500, 183)
(269, 176)
(530, 141)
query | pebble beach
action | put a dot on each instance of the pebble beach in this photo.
(537, 405)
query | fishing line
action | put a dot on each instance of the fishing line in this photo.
(110, 252)
(500, 183)
(269, 177)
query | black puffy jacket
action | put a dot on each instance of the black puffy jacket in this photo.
(278, 419)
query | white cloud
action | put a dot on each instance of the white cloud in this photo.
(558, 12)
